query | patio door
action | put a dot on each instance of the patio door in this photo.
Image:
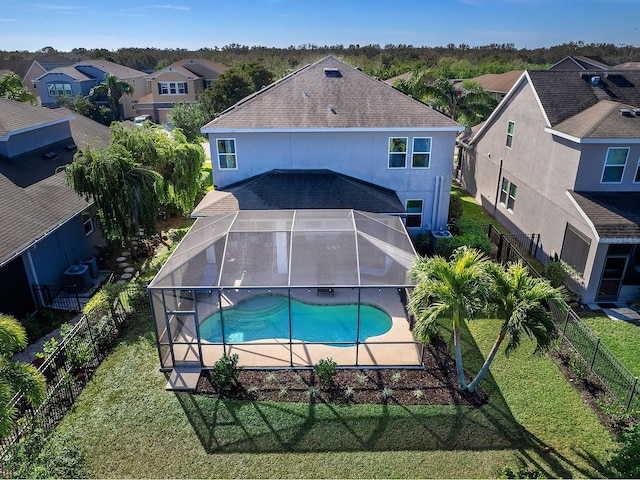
(613, 272)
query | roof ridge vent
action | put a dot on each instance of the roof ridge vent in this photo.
(595, 80)
(636, 111)
(625, 112)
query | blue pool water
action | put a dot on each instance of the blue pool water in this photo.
(267, 316)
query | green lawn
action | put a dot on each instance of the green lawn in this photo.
(621, 337)
(473, 211)
(127, 425)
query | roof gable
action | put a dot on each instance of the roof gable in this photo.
(345, 98)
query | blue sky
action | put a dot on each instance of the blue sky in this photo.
(68, 24)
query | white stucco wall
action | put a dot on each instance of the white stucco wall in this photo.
(359, 154)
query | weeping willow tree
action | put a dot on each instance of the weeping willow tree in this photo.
(127, 194)
(143, 170)
(171, 155)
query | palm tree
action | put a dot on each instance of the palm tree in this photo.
(470, 106)
(15, 376)
(518, 299)
(456, 286)
(113, 89)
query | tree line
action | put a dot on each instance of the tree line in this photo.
(458, 61)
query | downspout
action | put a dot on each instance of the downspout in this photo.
(495, 202)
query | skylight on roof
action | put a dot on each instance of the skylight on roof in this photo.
(332, 73)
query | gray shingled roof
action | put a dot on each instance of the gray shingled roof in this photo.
(35, 200)
(18, 116)
(603, 120)
(615, 215)
(300, 189)
(564, 94)
(309, 99)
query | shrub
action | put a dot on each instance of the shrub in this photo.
(520, 472)
(555, 273)
(78, 349)
(326, 370)
(625, 460)
(225, 372)
(455, 208)
(465, 232)
(422, 243)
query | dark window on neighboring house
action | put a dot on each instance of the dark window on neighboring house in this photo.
(614, 164)
(421, 152)
(508, 193)
(398, 152)
(575, 248)
(87, 221)
(414, 213)
(510, 129)
(59, 89)
(637, 177)
(227, 153)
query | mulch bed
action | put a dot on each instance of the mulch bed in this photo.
(437, 384)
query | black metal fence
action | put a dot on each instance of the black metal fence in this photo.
(513, 247)
(73, 362)
(616, 378)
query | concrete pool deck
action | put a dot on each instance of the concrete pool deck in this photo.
(396, 347)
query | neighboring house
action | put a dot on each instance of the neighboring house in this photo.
(346, 131)
(498, 84)
(560, 156)
(587, 64)
(81, 77)
(29, 70)
(44, 225)
(179, 82)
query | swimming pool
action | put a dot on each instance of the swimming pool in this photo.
(267, 316)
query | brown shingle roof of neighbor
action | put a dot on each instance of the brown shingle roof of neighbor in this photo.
(498, 82)
(35, 200)
(564, 94)
(300, 189)
(116, 69)
(614, 215)
(325, 95)
(605, 119)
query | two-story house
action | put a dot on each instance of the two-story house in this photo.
(330, 136)
(81, 77)
(560, 156)
(45, 227)
(180, 82)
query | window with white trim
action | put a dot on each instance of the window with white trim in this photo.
(637, 177)
(414, 213)
(421, 154)
(614, 164)
(87, 221)
(510, 129)
(172, 88)
(58, 89)
(227, 153)
(508, 192)
(398, 152)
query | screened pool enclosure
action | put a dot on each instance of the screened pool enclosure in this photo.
(287, 288)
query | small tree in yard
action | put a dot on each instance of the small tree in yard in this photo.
(326, 369)
(225, 373)
(518, 299)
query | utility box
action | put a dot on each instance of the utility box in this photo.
(437, 235)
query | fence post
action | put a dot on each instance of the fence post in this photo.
(566, 322)
(633, 392)
(499, 253)
(595, 351)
